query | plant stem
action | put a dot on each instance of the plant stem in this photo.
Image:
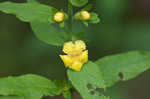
(70, 20)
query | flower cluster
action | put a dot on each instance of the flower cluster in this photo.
(76, 56)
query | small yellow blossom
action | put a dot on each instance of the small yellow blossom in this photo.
(76, 56)
(85, 15)
(59, 16)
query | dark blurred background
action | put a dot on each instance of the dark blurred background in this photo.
(125, 26)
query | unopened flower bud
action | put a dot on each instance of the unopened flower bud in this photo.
(85, 15)
(59, 16)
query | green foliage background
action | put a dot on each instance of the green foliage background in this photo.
(124, 26)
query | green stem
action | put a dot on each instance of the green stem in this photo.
(70, 20)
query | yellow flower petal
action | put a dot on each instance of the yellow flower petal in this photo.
(68, 47)
(84, 56)
(76, 55)
(80, 45)
(67, 60)
(76, 66)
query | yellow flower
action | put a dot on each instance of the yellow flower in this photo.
(59, 16)
(76, 56)
(85, 15)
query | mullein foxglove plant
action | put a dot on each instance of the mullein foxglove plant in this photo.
(90, 79)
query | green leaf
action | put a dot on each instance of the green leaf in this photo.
(78, 3)
(49, 33)
(28, 86)
(29, 11)
(118, 91)
(40, 17)
(123, 66)
(94, 18)
(88, 82)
